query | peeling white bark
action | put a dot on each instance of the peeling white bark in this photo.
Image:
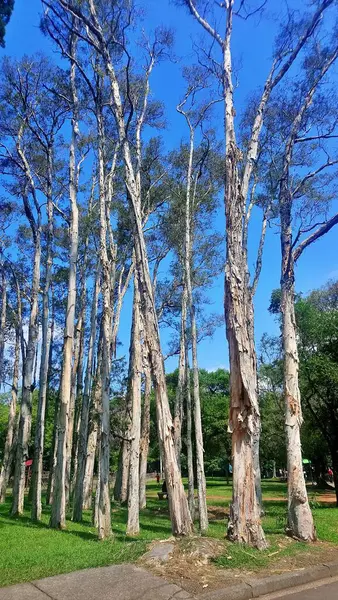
(135, 371)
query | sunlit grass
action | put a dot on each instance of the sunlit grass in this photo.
(30, 551)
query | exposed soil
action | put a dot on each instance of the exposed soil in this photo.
(191, 566)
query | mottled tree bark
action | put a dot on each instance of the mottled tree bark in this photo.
(58, 513)
(145, 432)
(178, 506)
(135, 371)
(3, 315)
(83, 432)
(36, 484)
(25, 421)
(300, 522)
(9, 443)
(190, 457)
(93, 437)
(181, 383)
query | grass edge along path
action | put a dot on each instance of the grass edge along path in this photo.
(32, 550)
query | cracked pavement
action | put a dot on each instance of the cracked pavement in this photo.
(118, 582)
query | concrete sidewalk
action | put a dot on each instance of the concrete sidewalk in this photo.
(118, 582)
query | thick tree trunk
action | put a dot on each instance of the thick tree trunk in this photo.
(135, 371)
(145, 433)
(36, 485)
(244, 523)
(83, 432)
(8, 450)
(58, 513)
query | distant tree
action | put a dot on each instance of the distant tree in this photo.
(6, 9)
(317, 322)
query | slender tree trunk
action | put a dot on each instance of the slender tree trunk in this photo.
(93, 437)
(135, 371)
(201, 484)
(53, 455)
(145, 433)
(74, 397)
(95, 518)
(58, 513)
(104, 507)
(334, 457)
(178, 506)
(190, 459)
(181, 383)
(300, 522)
(8, 450)
(25, 421)
(26, 401)
(274, 473)
(121, 487)
(3, 322)
(36, 485)
(83, 432)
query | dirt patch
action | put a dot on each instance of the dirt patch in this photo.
(217, 513)
(191, 564)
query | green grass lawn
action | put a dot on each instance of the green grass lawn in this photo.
(30, 551)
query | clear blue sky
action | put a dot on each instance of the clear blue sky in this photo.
(252, 44)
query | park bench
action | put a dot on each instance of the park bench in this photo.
(162, 495)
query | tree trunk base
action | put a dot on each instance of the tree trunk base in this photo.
(251, 534)
(300, 524)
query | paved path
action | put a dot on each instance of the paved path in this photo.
(321, 590)
(119, 582)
